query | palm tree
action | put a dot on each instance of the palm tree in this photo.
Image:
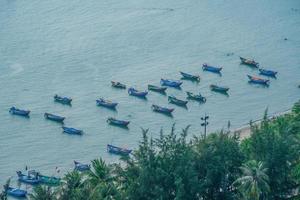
(254, 183)
(43, 193)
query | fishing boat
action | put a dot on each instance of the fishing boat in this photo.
(81, 167)
(31, 178)
(210, 68)
(63, 100)
(257, 80)
(72, 131)
(118, 85)
(55, 118)
(170, 83)
(160, 109)
(266, 72)
(176, 101)
(105, 103)
(217, 88)
(117, 122)
(190, 76)
(16, 111)
(16, 192)
(134, 92)
(157, 88)
(49, 180)
(197, 97)
(118, 150)
(249, 62)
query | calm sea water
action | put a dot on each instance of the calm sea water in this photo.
(75, 48)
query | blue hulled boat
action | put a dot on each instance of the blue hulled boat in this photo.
(209, 68)
(160, 109)
(16, 111)
(220, 89)
(63, 100)
(249, 62)
(170, 83)
(134, 92)
(176, 101)
(197, 97)
(81, 167)
(257, 80)
(31, 179)
(55, 118)
(72, 131)
(190, 76)
(106, 103)
(118, 150)
(266, 72)
(16, 192)
(157, 88)
(117, 122)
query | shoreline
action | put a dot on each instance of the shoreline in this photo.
(245, 130)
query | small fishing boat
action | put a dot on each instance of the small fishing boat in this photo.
(55, 118)
(249, 62)
(197, 97)
(170, 83)
(257, 80)
(134, 92)
(160, 109)
(31, 178)
(106, 103)
(63, 100)
(72, 131)
(209, 68)
(190, 76)
(16, 192)
(266, 72)
(49, 180)
(217, 88)
(81, 167)
(157, 88)
(176, 101)
(118, 85)
(118, 150)
(117, 122)
(16, 111)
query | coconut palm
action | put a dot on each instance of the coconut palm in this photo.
(43, 193)
(254, 182)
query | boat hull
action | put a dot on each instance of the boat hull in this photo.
(269, 73)
(163, 110)
(256, 80)
(55, 118)
(62, 100)
(15, 192)
(157, 89)
(72, 131)
(170, 83)
(176, 101)
(116, 122)
(195, 97)
(134, 92)
(213, 69)
(249, 62)
(103, 103)
(117, 150)
(15, 111)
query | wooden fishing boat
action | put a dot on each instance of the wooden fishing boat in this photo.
(31, 179)
(117, 122)
(55, 118)
(118, 85)
(197, 97)
(220, 89)
(266, 72)
(249, 62)
(134, 92)
(16, 192)
(16, 111)
(170, 83)
(72, 131)
(63, 100)
(257, 80)
(157, 88)
(81, 167)
(49, 180)
(105, 103)
(160, 109)
(176, 101)
(210, 68)
(190, 76)
(118, 150)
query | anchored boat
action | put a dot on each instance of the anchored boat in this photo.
(190, 76)
(16, 111)
(176, 101)
(55, 118)
(249, 62)
(118, 85)
(117, 122)
(134, 92)
(170, 83)
(157, 88)
(197, 97)
(63, 100)
(105, 103)
(118, 150)
(210, 68)
(160, 109)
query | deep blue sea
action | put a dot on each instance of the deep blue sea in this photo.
(75, 48)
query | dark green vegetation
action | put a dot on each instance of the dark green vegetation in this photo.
(220, 166)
